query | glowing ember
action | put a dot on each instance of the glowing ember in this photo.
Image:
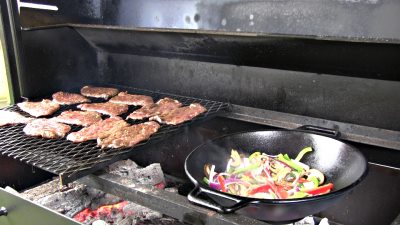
(104, 211)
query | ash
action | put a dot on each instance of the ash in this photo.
(75, 197)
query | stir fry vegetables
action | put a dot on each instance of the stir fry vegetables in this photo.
(267, 176)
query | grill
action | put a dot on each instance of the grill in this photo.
(74, 160)
(255, 65)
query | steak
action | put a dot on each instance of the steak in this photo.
(180, 115)
(162, 106)
(108, 108)
(44, 108)
(100, 129)
(66, 98)
(129, 99)
(129, 136)
(7, 117)
(78, 118)
(99, 92)
(46, 128)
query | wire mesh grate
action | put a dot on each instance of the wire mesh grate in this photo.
(73, 160)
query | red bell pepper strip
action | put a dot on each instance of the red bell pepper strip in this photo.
(283, 194)
(263, 188)
(221, 182)
(320, 190)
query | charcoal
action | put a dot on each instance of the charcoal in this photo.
(140, 212)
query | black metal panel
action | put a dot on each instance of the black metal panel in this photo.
(359, 101)
(365, 19)
(356, 59)
(20, 175)
(56, 60)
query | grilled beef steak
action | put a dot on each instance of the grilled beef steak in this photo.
(160, 107)
(100, 129)
(99, 92)
(180, 115)
(129, 136)
(66, 98)
(44, 108)
(108, 108)
(7, 117)
(46, 128)
(78, 118)
(129, 99)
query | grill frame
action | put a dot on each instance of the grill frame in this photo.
(71, 161)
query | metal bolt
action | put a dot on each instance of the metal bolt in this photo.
(3, 211)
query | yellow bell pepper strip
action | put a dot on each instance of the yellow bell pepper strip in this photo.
(302, 153)
(290, 163)
(221, 182)
(320, 190)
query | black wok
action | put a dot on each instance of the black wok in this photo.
(342, 164)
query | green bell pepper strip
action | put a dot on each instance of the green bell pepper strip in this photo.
(298, 194)
(206, 181)
(290, 163)
(245, 169)
(302, 153)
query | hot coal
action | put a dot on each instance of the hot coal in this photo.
(89, 204)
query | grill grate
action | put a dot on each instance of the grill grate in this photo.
(73, 160)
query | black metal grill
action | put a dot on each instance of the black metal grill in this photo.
(73, 160)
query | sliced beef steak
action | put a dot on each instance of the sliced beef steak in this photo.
(100, 129)
(108, 108)
(130, 99)
(7, 117)
(44, 108)
(66, 98)
(46, 128)
(129, 136)
(180, 115)
(99, 92)
(160, 107)
(81, 118)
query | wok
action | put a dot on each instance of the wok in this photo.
(342, 164)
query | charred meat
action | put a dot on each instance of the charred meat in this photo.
(162, 106)
(81, 118)
(46, 128)
(44, 108)
(130, 99)
(66, 98)
(7, 118)
(180, 115)
(129, 136)
(100, 129)
(108, 108)
(99, 92)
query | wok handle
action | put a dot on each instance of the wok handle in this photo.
(211, 204)
(320, 130)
